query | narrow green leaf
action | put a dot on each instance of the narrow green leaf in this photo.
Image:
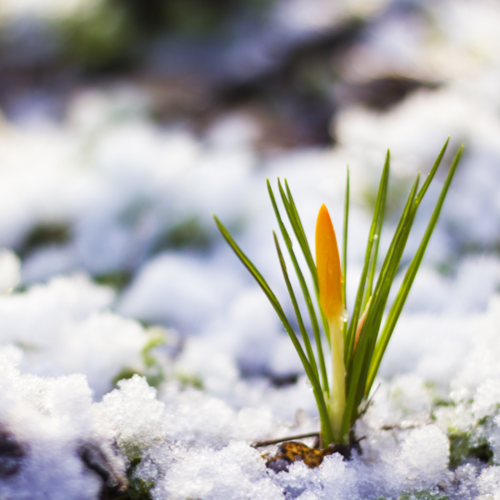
(298, 229)
(433, 171)
(305, 290)
(405, 288)
(318, 393)
(378, 232)
(314, 379)
(363, 362)
(357, 370)
(344, 247)
(351, 331)
(305, 336)
(253, 270)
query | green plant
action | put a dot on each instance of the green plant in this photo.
(358, 345)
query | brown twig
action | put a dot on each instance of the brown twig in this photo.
(269, 442)
(391, 427)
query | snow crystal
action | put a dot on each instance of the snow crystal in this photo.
(47, 428)
(134, 415)
(423, 459)
(333, 479)
(62, 328)
(236, 471)
(489, 484)
(101, 347)
(486, 399)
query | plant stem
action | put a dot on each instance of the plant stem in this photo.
(336, 402)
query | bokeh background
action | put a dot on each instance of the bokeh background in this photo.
(127, 123)
(124, 124)
(85, 84)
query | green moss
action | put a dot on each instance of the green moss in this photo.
(422, 495)
(154, 372)
(419, 495)
(190, 380)
(154, 378)
(138, 488)
(99, 35)
(440, 402)
(187, 234)
(118, 280)
(124, 374)
(482, 452)
(112, 34)
(157, 339)
(447, 268)
(44, 235)
(438, 399)
(463, 447)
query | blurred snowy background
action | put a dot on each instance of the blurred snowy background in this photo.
(124, 125)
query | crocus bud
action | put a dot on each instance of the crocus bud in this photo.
(332, 305)
(328, 266)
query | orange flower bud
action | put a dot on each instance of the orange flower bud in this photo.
(328, 266)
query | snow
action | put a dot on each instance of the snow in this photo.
(47, 423)
(9, 270)
(181, 290)
(64, 327)
(133, 199)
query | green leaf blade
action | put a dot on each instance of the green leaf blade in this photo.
(318, 393)
(405, 288)
(351, 330)
(305, 290)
